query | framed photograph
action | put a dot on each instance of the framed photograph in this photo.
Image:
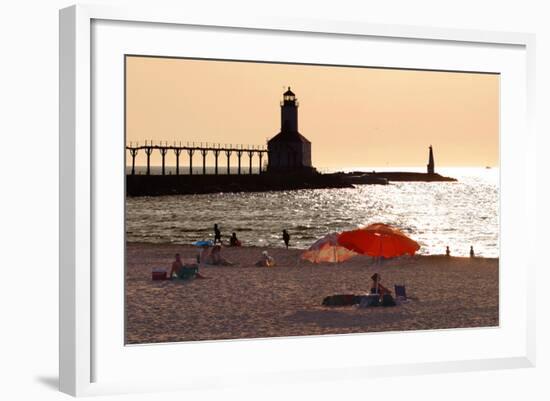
(273, 200)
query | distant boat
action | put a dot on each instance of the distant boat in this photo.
(488, 167)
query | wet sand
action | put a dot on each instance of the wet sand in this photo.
(245, 301)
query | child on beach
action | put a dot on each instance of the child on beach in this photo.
(233, 241)
(447, 251)
(266, 260)
(472, 255)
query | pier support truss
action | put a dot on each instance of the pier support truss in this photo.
(215, 149)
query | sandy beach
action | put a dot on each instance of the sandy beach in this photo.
(245, 301)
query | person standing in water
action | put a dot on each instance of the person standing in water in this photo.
(472, 254)
(217, 234)
(447, 251)
(286, 238)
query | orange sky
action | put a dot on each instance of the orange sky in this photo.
(353, 116)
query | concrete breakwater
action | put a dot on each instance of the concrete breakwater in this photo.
(156, 185)
(387, 177)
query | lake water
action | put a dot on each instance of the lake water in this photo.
(457, 214)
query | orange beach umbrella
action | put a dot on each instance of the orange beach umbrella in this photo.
(327, 249)
(378, 240)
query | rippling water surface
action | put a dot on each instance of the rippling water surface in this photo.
(458, 214)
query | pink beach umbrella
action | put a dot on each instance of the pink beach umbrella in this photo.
(327, 249)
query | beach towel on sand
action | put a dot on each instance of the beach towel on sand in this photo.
(369, 300)
(387, 300)
(341, 300)
(376, 300)
(361, 300)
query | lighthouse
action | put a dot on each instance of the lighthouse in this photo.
(289, 151)
(431, 163)
(289, 112)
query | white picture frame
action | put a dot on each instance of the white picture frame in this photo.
(82, 324)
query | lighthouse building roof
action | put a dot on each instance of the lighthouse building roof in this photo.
(289, 92)
(288, 136)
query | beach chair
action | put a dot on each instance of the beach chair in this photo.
(400, 292)
(189, 269)
(187, 272)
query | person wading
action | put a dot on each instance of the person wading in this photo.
(217, 234)
(286, 238)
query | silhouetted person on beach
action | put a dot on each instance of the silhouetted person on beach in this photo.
(286, 238)
(216, 258)
(447, 252)
(472, 254)
(233, 241)
(217, 234)
(377, 287)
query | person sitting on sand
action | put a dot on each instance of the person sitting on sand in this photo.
(215, 257)
(233, 241)
(286, 238)
(377, 287)
(265, 260)
(177, 267)
(447, 251)
(472, 254)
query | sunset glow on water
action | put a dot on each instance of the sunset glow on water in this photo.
(437, 214)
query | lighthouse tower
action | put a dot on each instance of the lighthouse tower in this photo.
(289, 112)
(289, 151)
(431, 163)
